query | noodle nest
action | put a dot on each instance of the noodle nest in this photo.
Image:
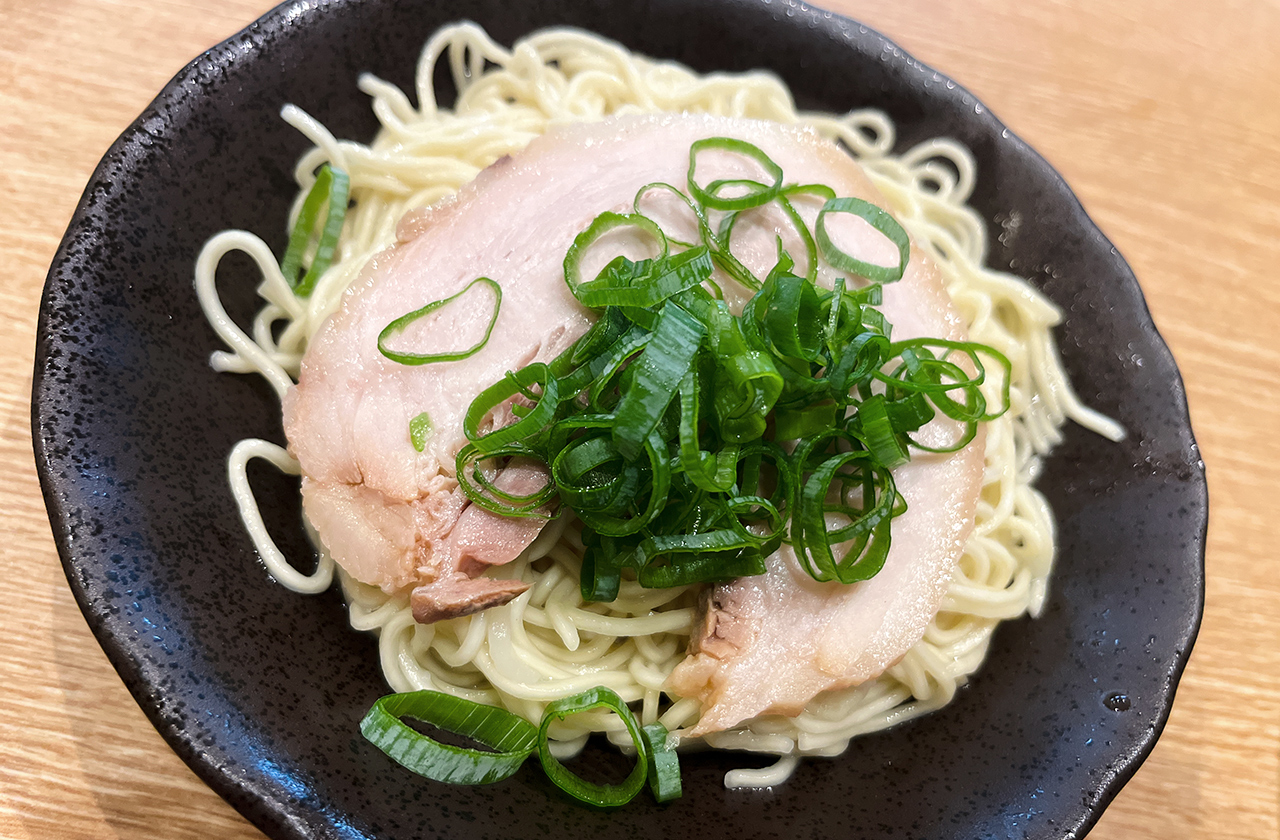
(548, 643)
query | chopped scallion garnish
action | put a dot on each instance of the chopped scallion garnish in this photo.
(419, 429)
(750, 194)
(878, 219)
(663, 426)
(604, 796)
(664, 764)
(329, 193)
(513, 739)
(402, 323)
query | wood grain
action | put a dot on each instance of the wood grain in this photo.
(1163, 116)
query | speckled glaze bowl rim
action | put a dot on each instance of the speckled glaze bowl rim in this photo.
(267, 806)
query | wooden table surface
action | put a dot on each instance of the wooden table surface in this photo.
(1163, 116)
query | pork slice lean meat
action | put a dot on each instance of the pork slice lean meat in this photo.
(395, 518)
(770, 644)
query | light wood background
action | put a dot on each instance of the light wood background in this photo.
(1163, 116)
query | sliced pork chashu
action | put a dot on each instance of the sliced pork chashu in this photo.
(395, 518)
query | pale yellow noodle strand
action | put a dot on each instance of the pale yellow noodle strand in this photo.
(278, 567)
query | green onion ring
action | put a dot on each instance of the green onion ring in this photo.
(506, 388)
(878, 219)
(660, 469)
(398, 326)
(603, 796)
(655, 377)
(331, 190)
(512, 737)
(482, 492)
(664, 763)
(602, 224)
(753, 198)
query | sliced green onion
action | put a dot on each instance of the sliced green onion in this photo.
(878, 433)
(713, 472)
(513, 740)
(482, 492)
(664, 764)
(792, 322)
(717, 246)
(806, 238)
(796, 423)
(659, 488)
(747, 386)
(757, 193)
(835, 311)
(593, 477)
(910, 413)
(601, 570)
(647, 283)
(659, 185)
(330, 191)
(878, 219)
(609, 366)
(604, 796)
(604, 223)
(711, 564)
(400, 324)
(495, 395)
(880, 498)
(511, 737)
(915, 353)
(419, 430)
(655, 378)
(784, 201)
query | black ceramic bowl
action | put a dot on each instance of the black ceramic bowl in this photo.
(260, 690)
